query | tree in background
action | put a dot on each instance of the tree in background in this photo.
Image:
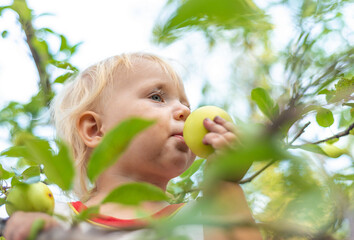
(297, 193)
(292, 193)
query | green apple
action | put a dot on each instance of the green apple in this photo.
(35, 197)
(194, 130)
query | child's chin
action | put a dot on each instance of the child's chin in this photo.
(178, 165)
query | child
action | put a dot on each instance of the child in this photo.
(135, 85)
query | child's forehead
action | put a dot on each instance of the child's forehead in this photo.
(147, 69)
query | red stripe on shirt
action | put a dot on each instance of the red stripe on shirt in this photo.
(128, 223)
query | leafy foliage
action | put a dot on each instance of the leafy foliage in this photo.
(135, 193)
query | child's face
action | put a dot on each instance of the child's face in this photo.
(148, 92)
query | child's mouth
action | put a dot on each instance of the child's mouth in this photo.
(179, 136)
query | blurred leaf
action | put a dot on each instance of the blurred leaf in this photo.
(113, 145)
(265, 103)
(16, 152)
(233, 164)
(2, 202)
(333, 151)
(15, 180)
(59, 168)
(5, 174)
(324, 117)
(88, 213)
(345, 88)
(64, 43)
(36, 104)
(201, 14)
(2, 8)
(64, 65)
(312, 148)
(4, 33)
(64, 77)
(135, 193)
(345, 177)
(31, 174)
(193, 168)
(21, 7)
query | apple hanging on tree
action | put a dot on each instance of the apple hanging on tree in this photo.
(35, 197)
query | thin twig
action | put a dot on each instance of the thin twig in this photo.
(249, 179)
(39, 58)
(302, 130)
(338, 135)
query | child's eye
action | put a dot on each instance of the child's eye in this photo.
(156, 97)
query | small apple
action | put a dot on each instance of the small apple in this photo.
(35, 197)
(194, 130)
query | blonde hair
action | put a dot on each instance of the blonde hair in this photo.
(85, 92)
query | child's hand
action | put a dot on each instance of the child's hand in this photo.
(18, 226)
(222, 134)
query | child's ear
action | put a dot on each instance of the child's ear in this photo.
(89, 127)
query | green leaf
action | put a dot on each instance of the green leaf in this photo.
(5, 174)
(4, 33)
(31, 174)
(16, 152)
(88, 213)
(64, 43)
(345, 177)
(135, 193)
(2, 201)
(233, 164)
(264, 102)
(64, 77)
(324, 117)
(193, 168)
(312, 148)
(59, 168)
(349, 104)
(113, 145)
(36, 227)
(2, 8)
(206, 14)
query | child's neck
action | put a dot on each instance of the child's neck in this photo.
(106, 184)
(108, 181)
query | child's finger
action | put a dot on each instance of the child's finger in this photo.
(219, 141)
(214, 127)
(230, 126)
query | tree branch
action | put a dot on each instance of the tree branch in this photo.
(39, 60)
(302, 130)
(338, 135)
(249, 179)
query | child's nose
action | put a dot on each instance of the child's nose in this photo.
(182, 112)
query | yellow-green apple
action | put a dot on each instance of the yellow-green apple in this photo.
(194, 130)
(35, 197)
